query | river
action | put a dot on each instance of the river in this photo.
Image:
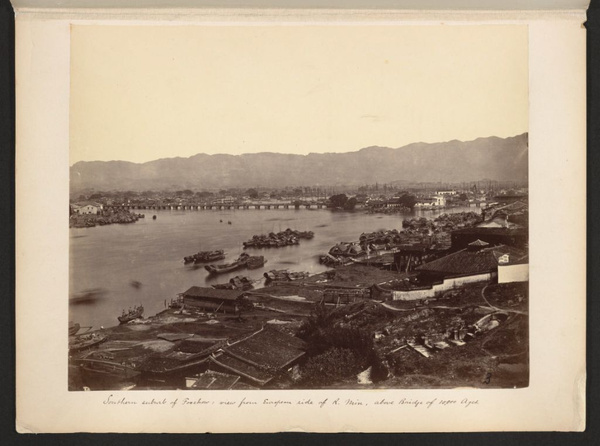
(151, 252)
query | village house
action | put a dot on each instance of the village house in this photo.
(394, 202)
(478, 262)
(500, 220)
(513, 208)
(517, 237)
(431, 202)
(87, 208)
(213, 300)
(211, 380)
(261, 358)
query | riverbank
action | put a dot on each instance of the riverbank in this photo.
(114, 216)
(388, 339)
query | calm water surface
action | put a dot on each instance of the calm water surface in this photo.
(151, 252)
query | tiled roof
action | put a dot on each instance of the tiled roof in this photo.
(242, 368)
(260, 355)
(215, 381)
(269, 348)
(212, 293)
(479, 242)
(243, 386)
(467, 262)
(490, 231)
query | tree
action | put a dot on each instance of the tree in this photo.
(350, 204)
(252, 193)
(329, 367)
(408, 200)
(338, 201)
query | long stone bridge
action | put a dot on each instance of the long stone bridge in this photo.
(219, 206)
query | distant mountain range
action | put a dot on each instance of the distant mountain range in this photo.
(500, 159)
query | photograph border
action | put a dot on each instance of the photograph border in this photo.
(530, 178)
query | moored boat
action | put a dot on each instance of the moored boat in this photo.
(224, 268)
(82, 342)
(205, 256)
(132, 314)
(73, 328)
(240, 262)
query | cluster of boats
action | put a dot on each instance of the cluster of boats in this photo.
(284, 238)
(205, 257)
(284, 275)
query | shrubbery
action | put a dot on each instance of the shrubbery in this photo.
(336, 352)
(330, 366)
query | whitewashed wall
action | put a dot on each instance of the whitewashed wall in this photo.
(513, 273)
(446, 285)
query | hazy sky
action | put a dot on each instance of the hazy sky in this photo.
(140, 93)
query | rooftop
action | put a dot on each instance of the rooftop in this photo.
(215, 381)
(212, 293)
(491, 231)
(268, 347)
(260, 355)
(467, 261)
(250, 371)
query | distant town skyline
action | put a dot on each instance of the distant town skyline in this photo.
(145, 93)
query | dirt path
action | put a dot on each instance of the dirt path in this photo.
(389, 307)
(507, 310)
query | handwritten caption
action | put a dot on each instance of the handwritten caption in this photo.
(245, 402)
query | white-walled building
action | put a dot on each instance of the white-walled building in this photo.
(87, 208)
(432, 202)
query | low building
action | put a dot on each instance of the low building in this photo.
(87, 208)
(261, 358)
(479, 262)
(211, 380)
(498, 221)
(213, 300)
(514, 208)
(517, 237)
(478, 259)
(409, 257)
(431, 202)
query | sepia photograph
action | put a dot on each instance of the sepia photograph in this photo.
(299, 220)
(301, 207)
